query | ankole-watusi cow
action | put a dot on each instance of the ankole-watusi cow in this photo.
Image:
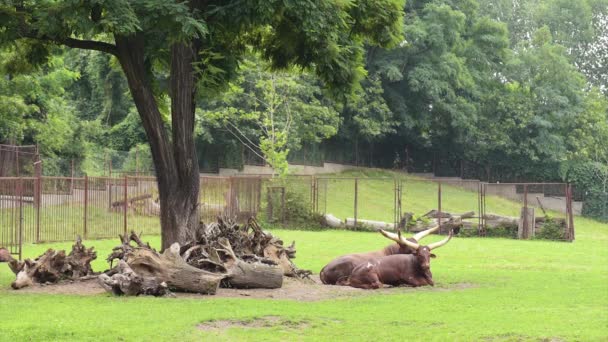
(399, 269)
(340, 268)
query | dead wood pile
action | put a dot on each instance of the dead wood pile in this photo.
(219, 254)
(54, 266)
(432, 218)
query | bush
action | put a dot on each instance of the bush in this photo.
(507, 231)
(589, 178)
(550, 230)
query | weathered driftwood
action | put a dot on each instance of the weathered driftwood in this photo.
(54, 266)
(374, 225)
(333, 221)
(124, 281)
(169, 267)
(131, 200)
(448, 221)
(219, 254)
(526, 224)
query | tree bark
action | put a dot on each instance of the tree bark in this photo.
(169, 267)
(174, 159)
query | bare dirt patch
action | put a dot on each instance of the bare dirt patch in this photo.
(293, 289)
(259, 322)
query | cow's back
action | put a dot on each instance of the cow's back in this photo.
(339, 269)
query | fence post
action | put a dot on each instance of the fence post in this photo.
(136, 161)
(356, 199)
(395, 202)
(38, 198)
(525, 224)
(20, 194)
(283, 205)
(125, 205)
(86, 198)
(259, 195)
(439, 207)
(72, 177)
(571, 212)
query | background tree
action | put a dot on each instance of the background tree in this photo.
(271, 113)
(179, 48)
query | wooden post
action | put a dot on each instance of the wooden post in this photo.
(525, 228)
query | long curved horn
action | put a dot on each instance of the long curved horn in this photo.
(424, 233)
(442, 242)
(399, 239)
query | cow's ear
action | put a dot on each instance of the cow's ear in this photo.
(433, 255)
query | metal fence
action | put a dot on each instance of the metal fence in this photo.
(45, 209)
(356, 199)
(529, 209)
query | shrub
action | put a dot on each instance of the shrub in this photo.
(550, 230)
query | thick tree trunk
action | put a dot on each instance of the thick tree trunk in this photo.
(175, 160)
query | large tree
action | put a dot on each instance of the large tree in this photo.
(180, 48)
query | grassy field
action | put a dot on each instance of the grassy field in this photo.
(487, 290)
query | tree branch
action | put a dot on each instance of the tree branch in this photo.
(75, 43)
(89, 45)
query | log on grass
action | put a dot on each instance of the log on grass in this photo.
(169, 267)
(124, 281)
(54, 266)
(350, 223)
(333, 221)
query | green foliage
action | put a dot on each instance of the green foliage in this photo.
(551, 229)
(272, 112)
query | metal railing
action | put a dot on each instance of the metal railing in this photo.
(46, 209)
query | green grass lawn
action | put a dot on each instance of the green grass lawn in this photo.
(489, 289)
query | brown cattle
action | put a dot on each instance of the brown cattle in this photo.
(339, 269)
(400, 269)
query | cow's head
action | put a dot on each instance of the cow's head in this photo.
(406, 249)
(422, 253)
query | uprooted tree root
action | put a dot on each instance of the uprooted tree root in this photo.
(219, 254)
(54, 266)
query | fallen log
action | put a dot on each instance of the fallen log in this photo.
(373, 225)
(219, 254)
(448, 221)
(54, 266)
(333, 221)
(131, 200)
(124, 281)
